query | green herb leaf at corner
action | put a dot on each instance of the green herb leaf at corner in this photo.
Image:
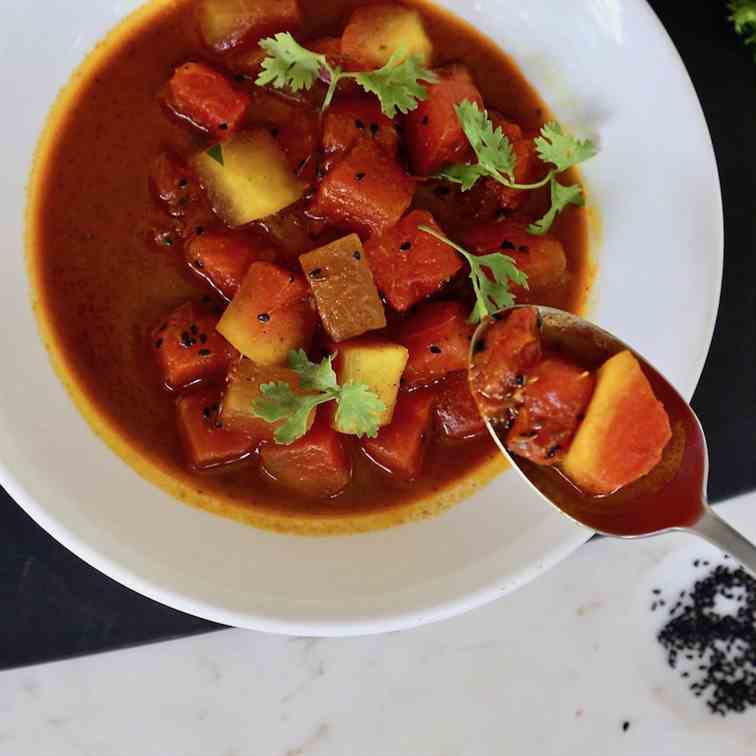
(561, 196)
(216, 153)
(358, 410)
(743, 17)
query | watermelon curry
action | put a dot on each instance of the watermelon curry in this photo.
(262, 233)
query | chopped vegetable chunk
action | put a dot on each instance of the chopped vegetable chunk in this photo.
(433, 132)
(508, 350)
(223, 258)
(438, 340)
(625, 430)
(227, 23)
(457, 415)
(550, 407)
(253, 180)
(243, 389)
(316, 465)
(355, 118)
(206, 99)
(188, 348)
(344, 289)
(400, 447)
(378, 364)
(206, 441)
(270, 315)
(541, 258)
(375, 32)
(410, 265)
(367, 191)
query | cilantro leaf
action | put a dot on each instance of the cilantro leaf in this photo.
(743, 17)
(493, 149)
(561, 196)
(563, 150)
(312, 376)
(216, 153)
(289, 65)
(358, 410)
(461, 173)
(397, 84)
(491, 291)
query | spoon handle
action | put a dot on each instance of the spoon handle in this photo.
(712, 528)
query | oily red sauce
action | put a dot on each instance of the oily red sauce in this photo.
(101, 282)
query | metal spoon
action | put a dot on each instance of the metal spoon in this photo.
(672, 497)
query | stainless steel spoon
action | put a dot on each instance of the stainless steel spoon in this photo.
(672, 497)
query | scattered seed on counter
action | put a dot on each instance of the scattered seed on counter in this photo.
(710, 638)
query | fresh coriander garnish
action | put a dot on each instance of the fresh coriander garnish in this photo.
(216, 153)
(490, 295)
(743, 17)
(291, 66)
(357, 411)
(496, 160)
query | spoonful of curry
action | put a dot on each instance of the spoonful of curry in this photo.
(595, 428)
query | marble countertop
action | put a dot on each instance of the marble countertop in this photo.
(567, 665)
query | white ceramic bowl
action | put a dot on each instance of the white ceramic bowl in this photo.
(606, 67)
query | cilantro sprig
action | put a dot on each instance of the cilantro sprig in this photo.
(397, 85)
(357, 411)
(497, 160)
(491, 291)
(743, 17)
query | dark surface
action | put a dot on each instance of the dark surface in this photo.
(53, 605)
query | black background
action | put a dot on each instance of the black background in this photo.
(53, 605)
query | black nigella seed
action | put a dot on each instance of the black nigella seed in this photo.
(316, 273)
(356, 255)
(519, 379)
(206, 412)
(480, 346)
(425, 120)
(159, 343)
(374, 128)
(435, 349)
(199, 230)
(182, 183)
(263, 317)
(405, 246)
(203, 338)
(194, 329)
(223, 126)
(198, 264)
(656, 591)
(360, 176)
(204, 352)
(625, 726)
(302, 164)
(274, 132)
(551, 453)
(506, 245)
(359, 124)
(523, 248)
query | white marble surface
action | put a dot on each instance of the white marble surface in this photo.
(552, 670)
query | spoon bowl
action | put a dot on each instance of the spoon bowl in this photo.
(671, 497)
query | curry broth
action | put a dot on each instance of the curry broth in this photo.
(101, 283)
